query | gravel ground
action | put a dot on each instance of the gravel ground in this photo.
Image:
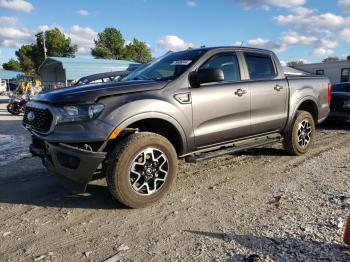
(260, 202)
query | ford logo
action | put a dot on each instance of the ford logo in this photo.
(31, 116)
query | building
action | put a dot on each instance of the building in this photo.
(9, 79)
(64, 70)
(337, 72)
(9, 74)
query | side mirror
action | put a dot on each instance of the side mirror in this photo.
(206, 75)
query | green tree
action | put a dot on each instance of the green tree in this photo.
(109, 44)
(32, 56)
(294, 63)
(12, 64)
(26, 56)
(348, 57)
(330, 59)
(57, 44)
(137, 51)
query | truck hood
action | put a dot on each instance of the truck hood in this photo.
(91, 93)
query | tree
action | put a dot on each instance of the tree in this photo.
(32, 56)
(348, 57)
(57, 44)
(294, 63)
(26, 56)
(137, 51)
(12, 64)
(330, 59)
(109, 44)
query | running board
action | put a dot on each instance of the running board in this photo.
(198, 157)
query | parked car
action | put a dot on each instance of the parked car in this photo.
(102, 77)
(340, 102)
(194, 104)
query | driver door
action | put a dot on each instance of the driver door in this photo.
(221, 111)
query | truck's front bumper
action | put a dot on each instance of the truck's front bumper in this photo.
(75, 165)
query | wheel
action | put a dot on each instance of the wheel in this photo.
(300, 137)
(12, 109)
(141, 169)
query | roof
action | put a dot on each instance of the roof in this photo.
(76, 68)
(340, 62)
(9, 74)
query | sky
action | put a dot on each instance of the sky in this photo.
(308, 30)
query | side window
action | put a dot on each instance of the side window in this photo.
(320, 72)
(260, 66)
(345, 75)
(228, 63)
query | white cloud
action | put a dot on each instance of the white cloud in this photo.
(83, 12)
(313, 23)
(8, 21)
(300, 10)
(191, 3)
(83, 37)
(19, 5)
(173, 43)
(277, 47)
(321, 52)
(12, 33)
(267, 4)
(294, 38)
(345, 34)
(344, 4)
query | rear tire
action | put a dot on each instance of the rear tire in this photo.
(141, 169)
(300, 137)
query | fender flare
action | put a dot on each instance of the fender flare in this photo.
(157, 115)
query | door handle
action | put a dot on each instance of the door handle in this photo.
(278, 88)
(240, 92)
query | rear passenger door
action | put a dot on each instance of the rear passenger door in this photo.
(269, 93)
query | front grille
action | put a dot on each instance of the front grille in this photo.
(42, 120)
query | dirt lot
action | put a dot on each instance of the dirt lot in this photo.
(260, 202)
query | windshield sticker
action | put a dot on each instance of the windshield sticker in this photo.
(181, 62)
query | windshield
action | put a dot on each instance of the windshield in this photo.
(341, 88)
(167, 67)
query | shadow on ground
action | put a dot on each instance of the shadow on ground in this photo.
(282, 249)
(36, 186)
(331, 124)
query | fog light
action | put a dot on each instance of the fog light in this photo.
(68, 161)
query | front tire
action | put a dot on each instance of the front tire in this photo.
(141, 169)
(13, 109)
(300, 137)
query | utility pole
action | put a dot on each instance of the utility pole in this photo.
(42, 34)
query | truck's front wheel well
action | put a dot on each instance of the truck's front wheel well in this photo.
(161, 127)
(311, 107)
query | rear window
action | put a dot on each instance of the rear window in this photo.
(260, 66)
(341, 88)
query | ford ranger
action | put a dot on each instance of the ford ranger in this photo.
(194, 104)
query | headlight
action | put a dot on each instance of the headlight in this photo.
(79, 113)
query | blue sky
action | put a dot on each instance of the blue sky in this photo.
(295, 29)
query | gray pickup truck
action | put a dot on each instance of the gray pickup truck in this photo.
(195, 104)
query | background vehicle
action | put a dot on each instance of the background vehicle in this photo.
(17, 104)
(195, 104)
(102, 78)
(340, 102)
(3, 87)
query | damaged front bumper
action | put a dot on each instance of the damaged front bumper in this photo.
(74, 165)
